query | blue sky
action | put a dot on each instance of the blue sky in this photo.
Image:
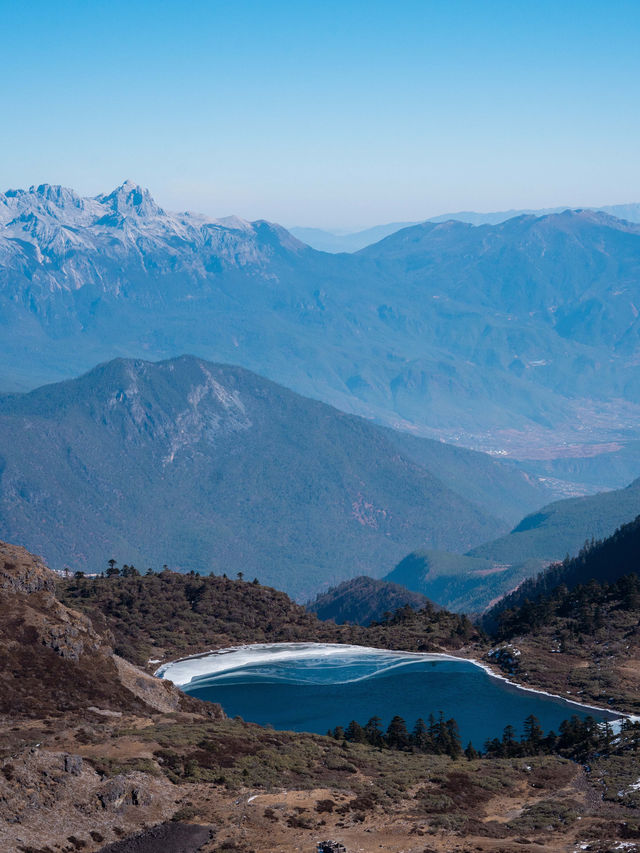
(335, 114)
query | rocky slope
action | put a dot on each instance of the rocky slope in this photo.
(61, 686)
(54, 661)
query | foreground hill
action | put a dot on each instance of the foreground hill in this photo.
(574, 628)
(53, 659)
(504, 335)
(364, 600)
(213, 468)
(474, 581)
(91, 758)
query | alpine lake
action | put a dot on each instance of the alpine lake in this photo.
(315, 687)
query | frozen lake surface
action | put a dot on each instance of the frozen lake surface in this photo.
(314, 687)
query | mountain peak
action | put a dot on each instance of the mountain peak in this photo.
(130, 198)
(57, 194)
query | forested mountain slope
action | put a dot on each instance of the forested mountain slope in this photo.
(574, 628)
(472, 582)
(212, 468)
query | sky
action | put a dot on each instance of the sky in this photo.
(329, 114)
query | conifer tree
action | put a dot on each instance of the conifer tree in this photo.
(470, 752)
(397, 734)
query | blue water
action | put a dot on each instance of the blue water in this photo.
(315, 694)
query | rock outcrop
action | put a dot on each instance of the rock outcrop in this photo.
(53, 660)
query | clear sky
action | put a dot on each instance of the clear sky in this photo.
(334, 114)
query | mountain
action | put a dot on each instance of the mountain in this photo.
(364, 600)
(605, 561)
(473, 582)
(509, 337)
(353, 241)
(212, 468)
(328, 241)
(630, 212)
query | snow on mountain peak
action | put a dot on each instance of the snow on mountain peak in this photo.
(73, 233)
(130, 198)
(54, 203)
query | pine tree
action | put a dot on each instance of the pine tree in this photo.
(355, 733)
(454, 745)
(509, 741)
(420, 737)
(373, 732)
(533, 733)
(471, 753)
(397, 735)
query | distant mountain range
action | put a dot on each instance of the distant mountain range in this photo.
(472, 582)
(353, 241)
(212, 468)
(334, 242)
(510, 337)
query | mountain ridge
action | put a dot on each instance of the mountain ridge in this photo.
(506, 337)
(353, 241)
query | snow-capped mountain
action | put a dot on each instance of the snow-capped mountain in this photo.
(71, 238)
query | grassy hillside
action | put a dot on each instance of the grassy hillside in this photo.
(562, 527)
(458, 582)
